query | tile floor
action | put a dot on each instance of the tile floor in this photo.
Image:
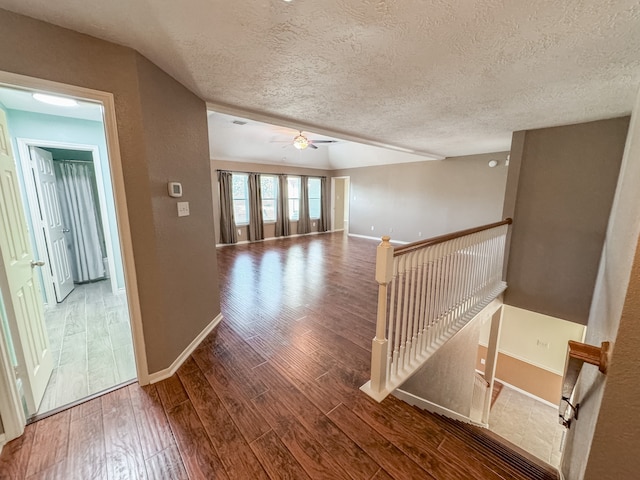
(90, 337)
(529, 424)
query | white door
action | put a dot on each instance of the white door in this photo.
(60, 268)
(21, 292)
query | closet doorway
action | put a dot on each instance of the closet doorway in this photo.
(65, 181)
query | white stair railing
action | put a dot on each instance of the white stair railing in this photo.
(428, 291)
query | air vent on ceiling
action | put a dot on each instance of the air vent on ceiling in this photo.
(239, 122)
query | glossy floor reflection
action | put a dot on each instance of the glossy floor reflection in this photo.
(271, 393)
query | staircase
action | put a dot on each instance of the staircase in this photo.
(500, 454)
(428, 291)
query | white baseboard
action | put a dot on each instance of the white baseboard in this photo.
(433, 408)
(242, 242)
(377, 238)
(167, 372)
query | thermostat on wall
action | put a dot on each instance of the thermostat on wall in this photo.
(175, 189)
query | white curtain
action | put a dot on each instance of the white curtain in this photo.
(81, 216)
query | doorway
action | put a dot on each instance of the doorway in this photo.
(340, 187)
(66, 331)
(85, 312)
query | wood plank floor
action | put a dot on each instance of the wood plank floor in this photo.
(272, 393)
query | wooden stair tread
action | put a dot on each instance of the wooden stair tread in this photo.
(522, 463)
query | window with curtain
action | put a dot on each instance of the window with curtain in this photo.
(240, 198)
(268, 184)
(314, 198)
(293, 184)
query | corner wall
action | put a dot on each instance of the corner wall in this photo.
(162, 133)
(605, 441)
(560, 201)
(416, 201)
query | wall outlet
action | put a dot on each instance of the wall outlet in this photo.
(419, 234)
(183, 209)
(239, 232)
(482, 361)
(391, 230)
(314, 224)
(372, 228)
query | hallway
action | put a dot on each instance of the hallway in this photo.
(273, 392)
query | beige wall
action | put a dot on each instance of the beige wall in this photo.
(534, 380)
(567, 179)
(531, 351)
(163, 136)
(269, 228)
(605, 441)
(537, 339)
(425, 199)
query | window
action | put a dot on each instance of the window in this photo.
(293, 184)
(240, 198)
(314, 198)
(269, 196)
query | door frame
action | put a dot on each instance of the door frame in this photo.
(10, 405)
(32, 198)
(333, 200)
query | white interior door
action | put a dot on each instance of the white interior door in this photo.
(21, 292)
(42, 162)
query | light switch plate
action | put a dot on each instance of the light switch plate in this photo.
(183, 209)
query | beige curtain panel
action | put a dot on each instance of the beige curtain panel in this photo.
(227, 221)
(256, 230)
(282, 214)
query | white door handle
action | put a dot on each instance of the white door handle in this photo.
(39, 263)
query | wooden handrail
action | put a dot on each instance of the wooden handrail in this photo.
(445, 238)
(591, 354)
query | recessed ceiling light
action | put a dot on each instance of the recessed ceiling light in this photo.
(54, 100)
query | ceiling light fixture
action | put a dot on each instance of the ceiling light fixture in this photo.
(301, 142)
(493, 163)
(54, 100)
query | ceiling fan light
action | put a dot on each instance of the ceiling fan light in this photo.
(300, 142)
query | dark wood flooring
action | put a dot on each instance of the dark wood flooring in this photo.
(272, 393)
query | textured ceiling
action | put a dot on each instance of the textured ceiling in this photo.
(438, 76)
(261, 142)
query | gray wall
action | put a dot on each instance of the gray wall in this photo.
(608, 430)
(269, 228)
(430, 198)
(560, 203)
(162, 131)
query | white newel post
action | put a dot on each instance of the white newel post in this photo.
(384, 274)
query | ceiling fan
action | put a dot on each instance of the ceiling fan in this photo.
(301, 142)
